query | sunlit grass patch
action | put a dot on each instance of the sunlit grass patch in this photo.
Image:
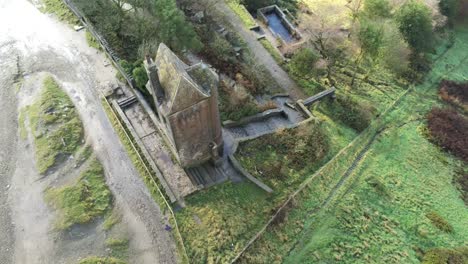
(55, 126)
(81, 202)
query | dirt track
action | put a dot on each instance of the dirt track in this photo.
(35, 44)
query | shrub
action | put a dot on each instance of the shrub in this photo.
(450, 131)
(415, 24)
(356, 115)
(303, 62)
(141, 78)
(439, 222)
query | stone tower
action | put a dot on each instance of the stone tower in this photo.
(186, 99)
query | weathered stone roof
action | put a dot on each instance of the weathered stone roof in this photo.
(183, 85)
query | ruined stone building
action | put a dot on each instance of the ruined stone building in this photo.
(186, 100)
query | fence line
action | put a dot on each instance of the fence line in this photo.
(131, 82)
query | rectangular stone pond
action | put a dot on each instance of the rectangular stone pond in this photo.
(278, 23)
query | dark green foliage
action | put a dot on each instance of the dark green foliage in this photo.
(449, 8)
(439, 222)
(415, 24)
(140, 76)
(445, 255)
(137, 71)
(371, 38)
(377, 8)
(148, 21)
(357, 115)
(303, 62)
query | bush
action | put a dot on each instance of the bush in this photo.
(449, 8)
(450, 131)
(377, 8)
(303, 62)
(140, 77)
(356, 115)
(415, 24)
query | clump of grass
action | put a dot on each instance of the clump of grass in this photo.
(119, 247)
(111, 220)
(92, 41)
(22, 125)
(59, 8)
(439, 222)
(81, 202)
(445, 255)
(55, 125)
(242, 12)
(101, 260)
(352, 112)
(272, 50)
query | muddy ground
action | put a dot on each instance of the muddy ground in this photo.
(33, 45)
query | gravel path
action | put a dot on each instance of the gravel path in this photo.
(261, 54)
(8, 132)
(47, 46)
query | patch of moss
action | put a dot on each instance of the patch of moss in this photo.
(439, 222)
(81, 202)
(101, 260)
(55, 125)
(119, 247)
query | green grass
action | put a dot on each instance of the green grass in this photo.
(81, 202)
(55, 126)
(217, 222)
(92, 41)
(22, 124)
(111, 220)
(242, 12)
(101, 260)
(380, 213)
(272, 50)
(118, 247)
(58, 8)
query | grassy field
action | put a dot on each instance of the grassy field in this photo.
(398, 206)
(81, 202)
(217, 222)
(55, 126)
(101, 260)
